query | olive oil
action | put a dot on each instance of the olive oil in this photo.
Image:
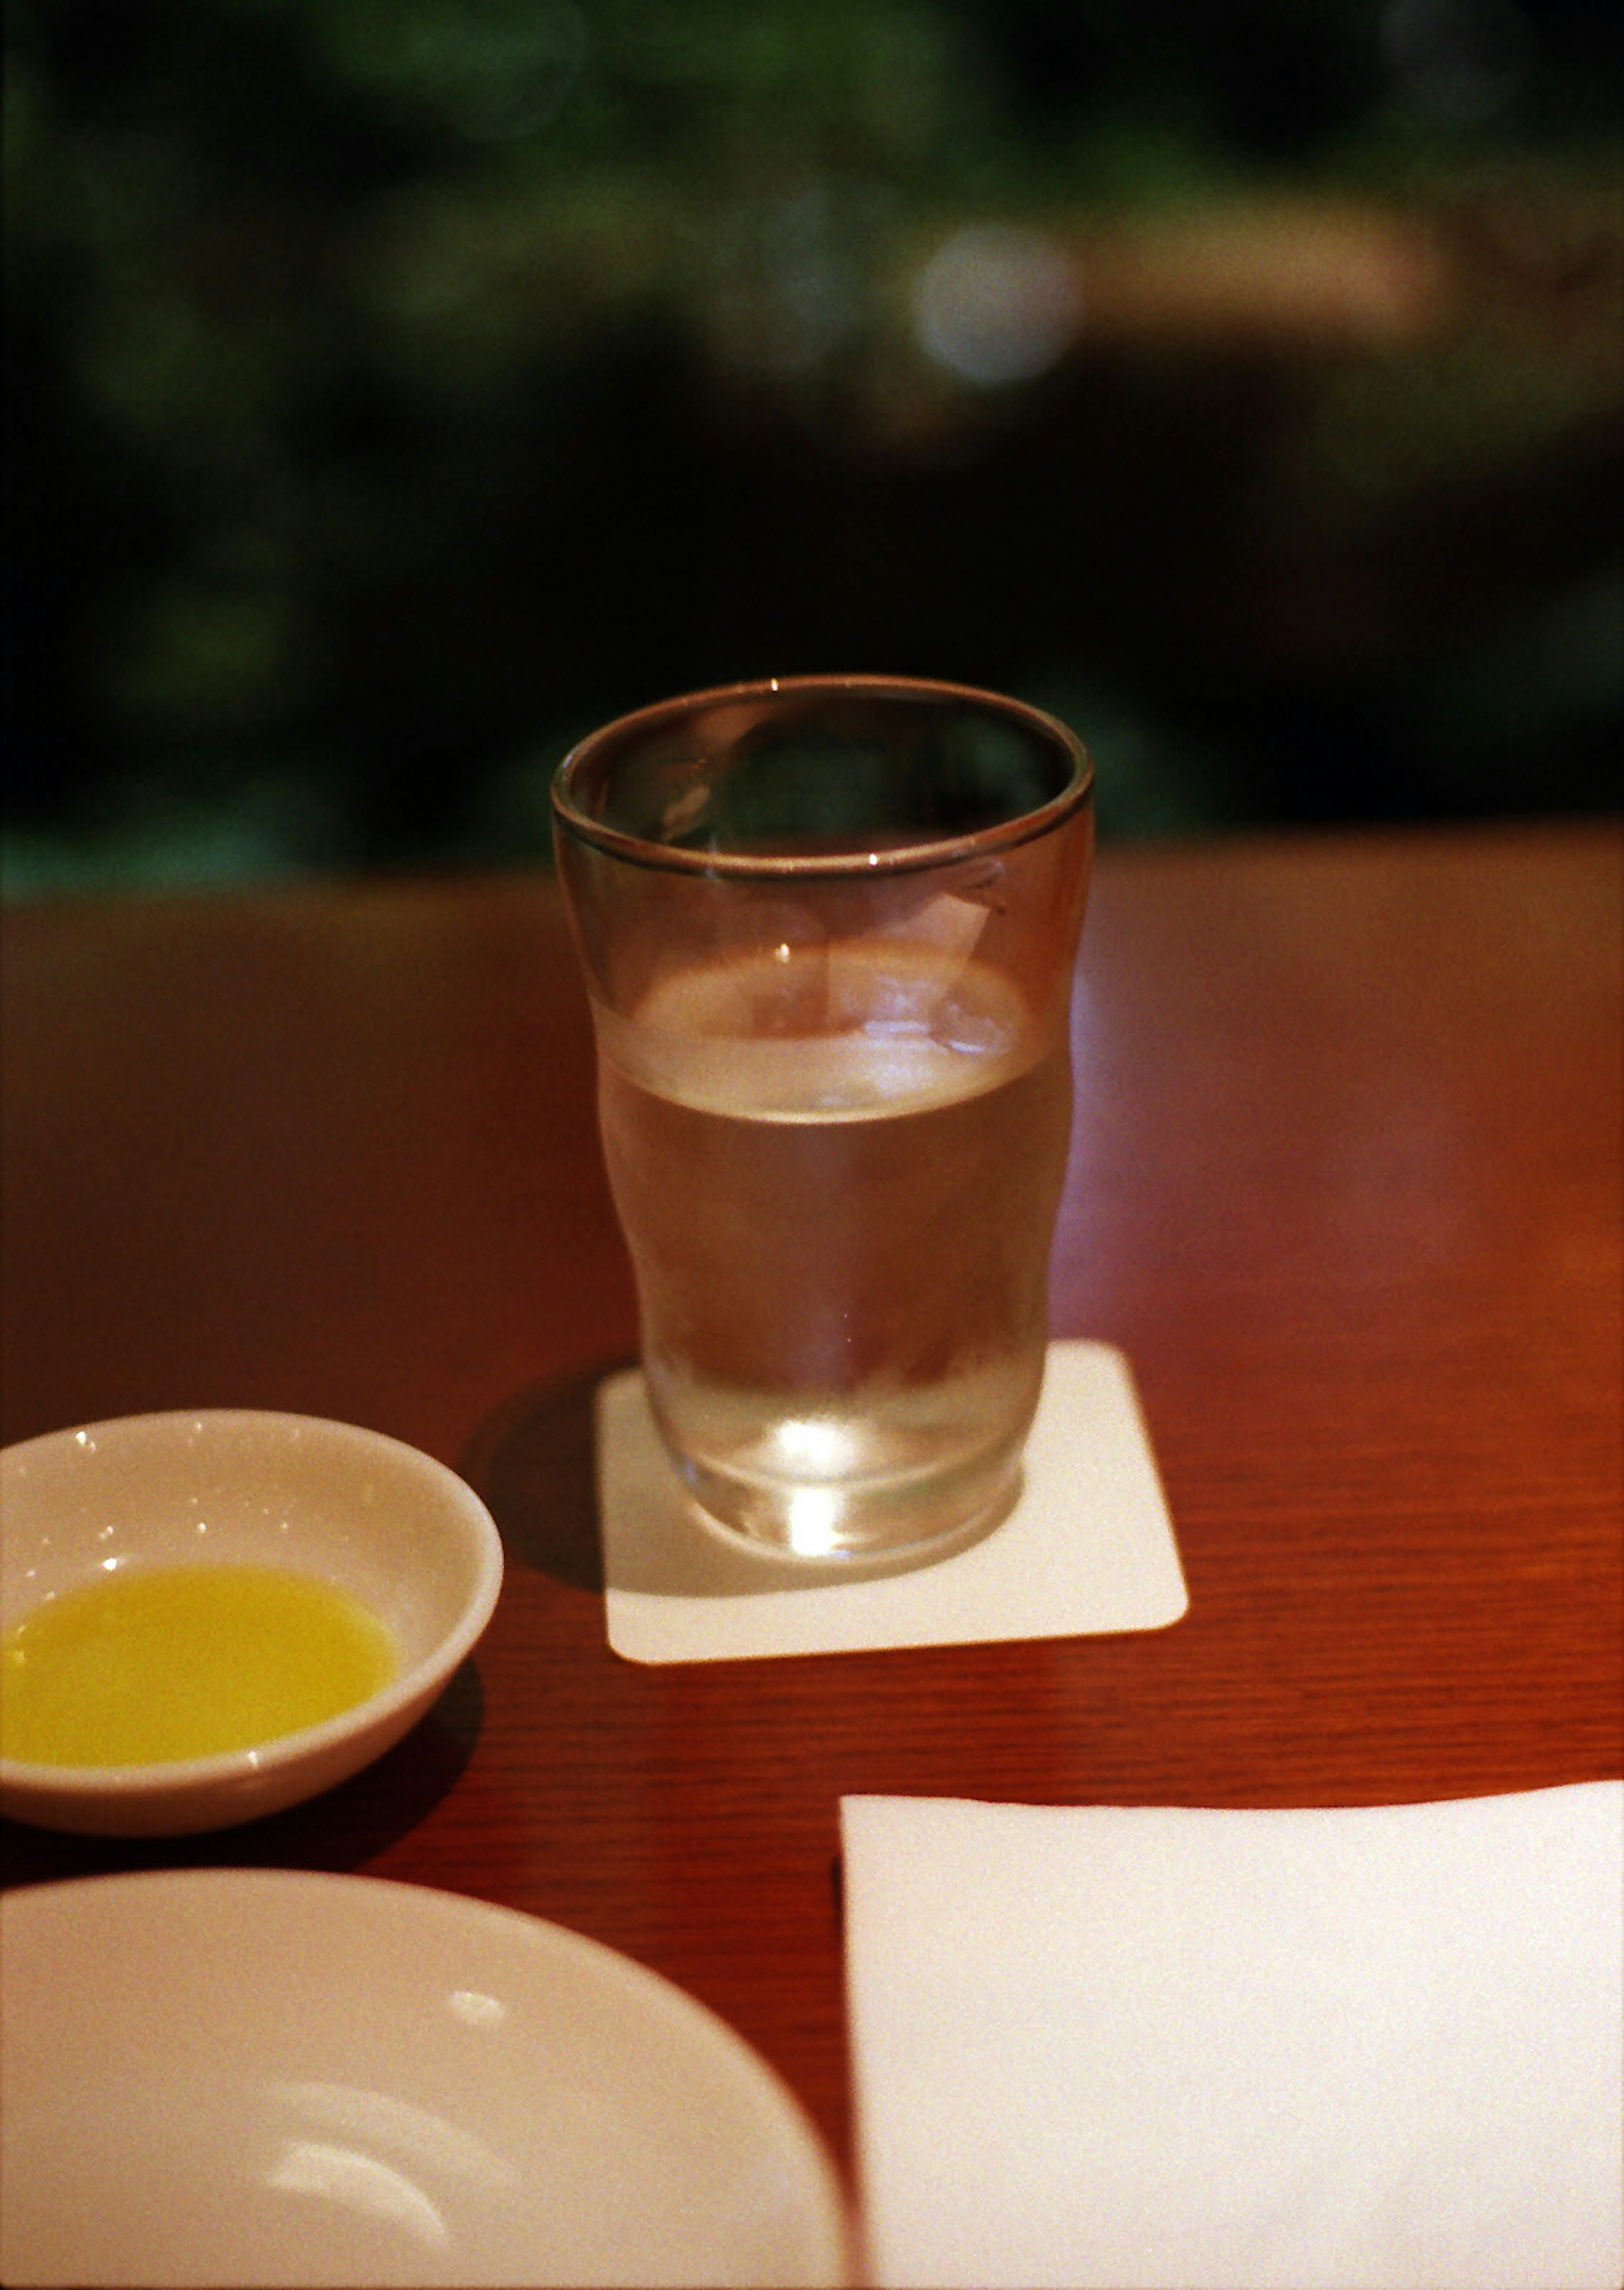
(161, 1663)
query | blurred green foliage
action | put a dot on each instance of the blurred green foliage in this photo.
(399, 389)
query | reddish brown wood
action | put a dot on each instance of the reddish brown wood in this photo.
(1345, 1187)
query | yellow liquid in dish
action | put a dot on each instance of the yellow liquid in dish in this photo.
(157, 1664)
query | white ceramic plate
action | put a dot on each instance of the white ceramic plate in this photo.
(267, 2077)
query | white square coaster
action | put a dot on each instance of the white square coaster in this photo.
(1087, 1549)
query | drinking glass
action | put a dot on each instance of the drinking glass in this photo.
(828, 926)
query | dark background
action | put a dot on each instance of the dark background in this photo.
(397, 388)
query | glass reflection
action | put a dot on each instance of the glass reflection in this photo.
(381, 2158)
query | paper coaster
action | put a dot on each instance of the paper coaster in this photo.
(1087, 1549)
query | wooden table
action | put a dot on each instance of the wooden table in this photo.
(1345, 1187)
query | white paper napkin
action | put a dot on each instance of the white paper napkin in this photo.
(1099, 2048)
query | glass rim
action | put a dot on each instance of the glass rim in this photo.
(907, 858)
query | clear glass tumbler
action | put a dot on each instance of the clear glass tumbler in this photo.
(828, 926)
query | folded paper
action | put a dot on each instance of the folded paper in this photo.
(1145, 2048)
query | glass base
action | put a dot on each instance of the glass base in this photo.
(912, 1518)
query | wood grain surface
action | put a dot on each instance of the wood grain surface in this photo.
(1345, 1186)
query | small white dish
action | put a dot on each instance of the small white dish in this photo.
(398, 1532)
(238, 2077)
